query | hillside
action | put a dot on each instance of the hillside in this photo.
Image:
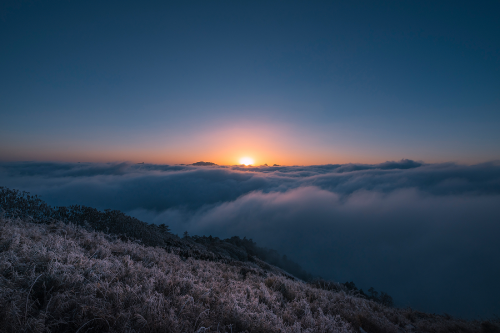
(57, 275)
(62, 278)
(16, 204)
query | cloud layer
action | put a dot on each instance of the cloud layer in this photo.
(425, 233)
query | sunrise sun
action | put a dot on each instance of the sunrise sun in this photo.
(246, 161)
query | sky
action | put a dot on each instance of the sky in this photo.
(285, 82)
(426, 234)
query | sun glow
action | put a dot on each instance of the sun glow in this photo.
(246, 161)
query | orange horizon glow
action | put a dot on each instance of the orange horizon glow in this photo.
(232, 158)
(225, 145)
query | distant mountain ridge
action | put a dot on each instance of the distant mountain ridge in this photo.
(201, 163)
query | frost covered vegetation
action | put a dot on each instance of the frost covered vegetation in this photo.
(16, 204)
(58, 276)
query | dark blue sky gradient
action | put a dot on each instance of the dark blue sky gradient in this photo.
(404, 79)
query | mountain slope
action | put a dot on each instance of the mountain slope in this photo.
(16, 204)
(60, 277)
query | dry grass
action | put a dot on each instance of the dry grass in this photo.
(18, 204)
(63, 278)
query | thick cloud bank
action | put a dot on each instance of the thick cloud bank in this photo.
(427, 234)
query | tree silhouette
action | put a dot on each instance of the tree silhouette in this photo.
(164, 228)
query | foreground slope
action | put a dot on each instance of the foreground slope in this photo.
(59, 277)
(17, 204)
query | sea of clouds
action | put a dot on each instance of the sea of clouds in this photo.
(427, 234)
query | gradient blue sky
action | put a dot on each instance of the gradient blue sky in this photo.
(288, 82)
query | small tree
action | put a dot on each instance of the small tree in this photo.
(385, 299)
(164, 228)
(373, 293)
